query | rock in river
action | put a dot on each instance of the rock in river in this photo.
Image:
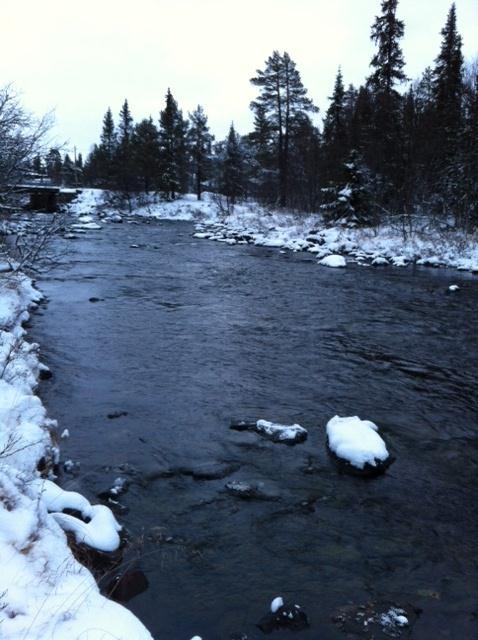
(357, 447)
(283, 616)
(285, 434)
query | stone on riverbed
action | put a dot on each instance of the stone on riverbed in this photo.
(376, 620)
(356, 446)
(285, 434)
(283, 616)
(123, 587)
(249, 491)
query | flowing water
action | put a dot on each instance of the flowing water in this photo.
(188, 334)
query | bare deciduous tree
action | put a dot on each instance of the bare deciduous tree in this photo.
(22, 137)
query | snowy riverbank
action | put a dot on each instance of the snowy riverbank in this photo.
(44, 592)
(253, 224)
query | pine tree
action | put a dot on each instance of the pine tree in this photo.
(124, 160)
(388, 63)
(469, 152)
(79, 161)
(305, 161)
(448, 77)
(103, 158)
(385, 153)
(37, 164)
(54, 165)
(172, 140)
(68, 171)
(200, 141)
(350, 201)
(232, 179)
(146, 154)
(447, 120)
(335, 130)
(108, 134)
(283, 98)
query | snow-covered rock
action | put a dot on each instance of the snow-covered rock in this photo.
(380, 261)
(283, 616)
(290, 434)
(357, 445)
(286, 434)
(86, 226)
(334, 261)
(453, 287)
(276, 604)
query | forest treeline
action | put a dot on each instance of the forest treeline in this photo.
(390, 147)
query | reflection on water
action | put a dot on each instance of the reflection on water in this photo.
(187, 335)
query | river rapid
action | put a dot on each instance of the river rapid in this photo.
(188, 334)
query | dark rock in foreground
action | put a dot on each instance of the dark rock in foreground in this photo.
(117, 414)
(287, 616)
(367, 471)
(127, 585)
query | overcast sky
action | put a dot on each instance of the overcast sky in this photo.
(81, 57)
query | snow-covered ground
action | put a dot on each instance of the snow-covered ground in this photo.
(252, 224)
(44, 592)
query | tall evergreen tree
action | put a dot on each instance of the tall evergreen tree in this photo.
(108, 134)
(146, 154)
(387, 63)
(172, 146)
(283, 98)
(200, 141)
(335, 130)
(124, 159)
(385, 153)
(448, 122)
(448, 90)
(54, 165)
(448, 76)
(467, 206)
(232, 179)
(102, 160)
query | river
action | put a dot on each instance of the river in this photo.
(188, 334)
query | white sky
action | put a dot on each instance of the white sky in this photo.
(81, 57)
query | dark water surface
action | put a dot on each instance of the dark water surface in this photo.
(190, 333)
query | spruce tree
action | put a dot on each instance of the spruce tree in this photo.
(54, 165)
(172, 141)
(447, 121)
(146, 154)
(335, 130)
(124, 160)
(104, 158)
(283, 98)
(448, 76)
(388, 63)
(232, 182)
(349, 201)
(200, 141)
(108, 134)
(384, 153)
